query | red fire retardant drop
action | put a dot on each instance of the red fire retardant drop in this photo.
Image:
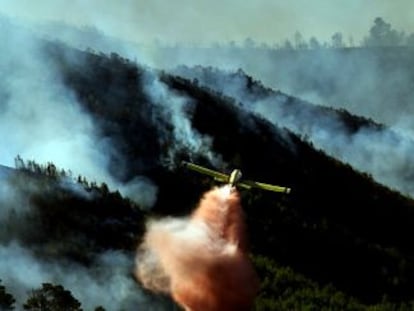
(201, 261)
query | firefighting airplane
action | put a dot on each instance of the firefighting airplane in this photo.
(234, 179)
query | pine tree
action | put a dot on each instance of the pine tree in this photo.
(6, 300)
(51, 298)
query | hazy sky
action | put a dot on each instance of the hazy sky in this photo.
(220, 20)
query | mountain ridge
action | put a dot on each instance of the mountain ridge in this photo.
(330, 229)
(307, 171)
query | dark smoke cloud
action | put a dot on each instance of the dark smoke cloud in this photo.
(202, 261)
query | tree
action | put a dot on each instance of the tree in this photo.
(287, 45)
(19, 163)
(249, 43)
(6, 300)
(51, 298)
(382, 34)
(300, 43)
(337, 41)
(314, 44)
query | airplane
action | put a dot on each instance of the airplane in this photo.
(235, 178)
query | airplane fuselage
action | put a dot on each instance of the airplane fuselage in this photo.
(235, 179)
(235, 176)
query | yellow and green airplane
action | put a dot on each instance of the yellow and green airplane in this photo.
(234, 179)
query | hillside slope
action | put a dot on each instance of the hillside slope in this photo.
(337, 227)
(332, 226)
(375, 82)
(361, 142)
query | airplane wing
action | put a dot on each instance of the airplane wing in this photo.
(249, 184)
(203, 170)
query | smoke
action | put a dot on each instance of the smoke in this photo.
(25, 265)
(15, 208)
(173, 114)
(116, 27)
(386, 153)
(374, 83)
(364, 84)
(356, 80)
(64, 129)
(41, 119)
(140, 189)
(106, 282)
(217, 21)
(202, 261)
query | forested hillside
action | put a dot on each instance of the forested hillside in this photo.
(372, 78)
(339, 241)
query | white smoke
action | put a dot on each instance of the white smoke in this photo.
(41, 119)
(24, 266)
(387, 154)
(217, 21)
(174, 115)
(140, 189)
(373, 83)
(107, 282)
(384, 154)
